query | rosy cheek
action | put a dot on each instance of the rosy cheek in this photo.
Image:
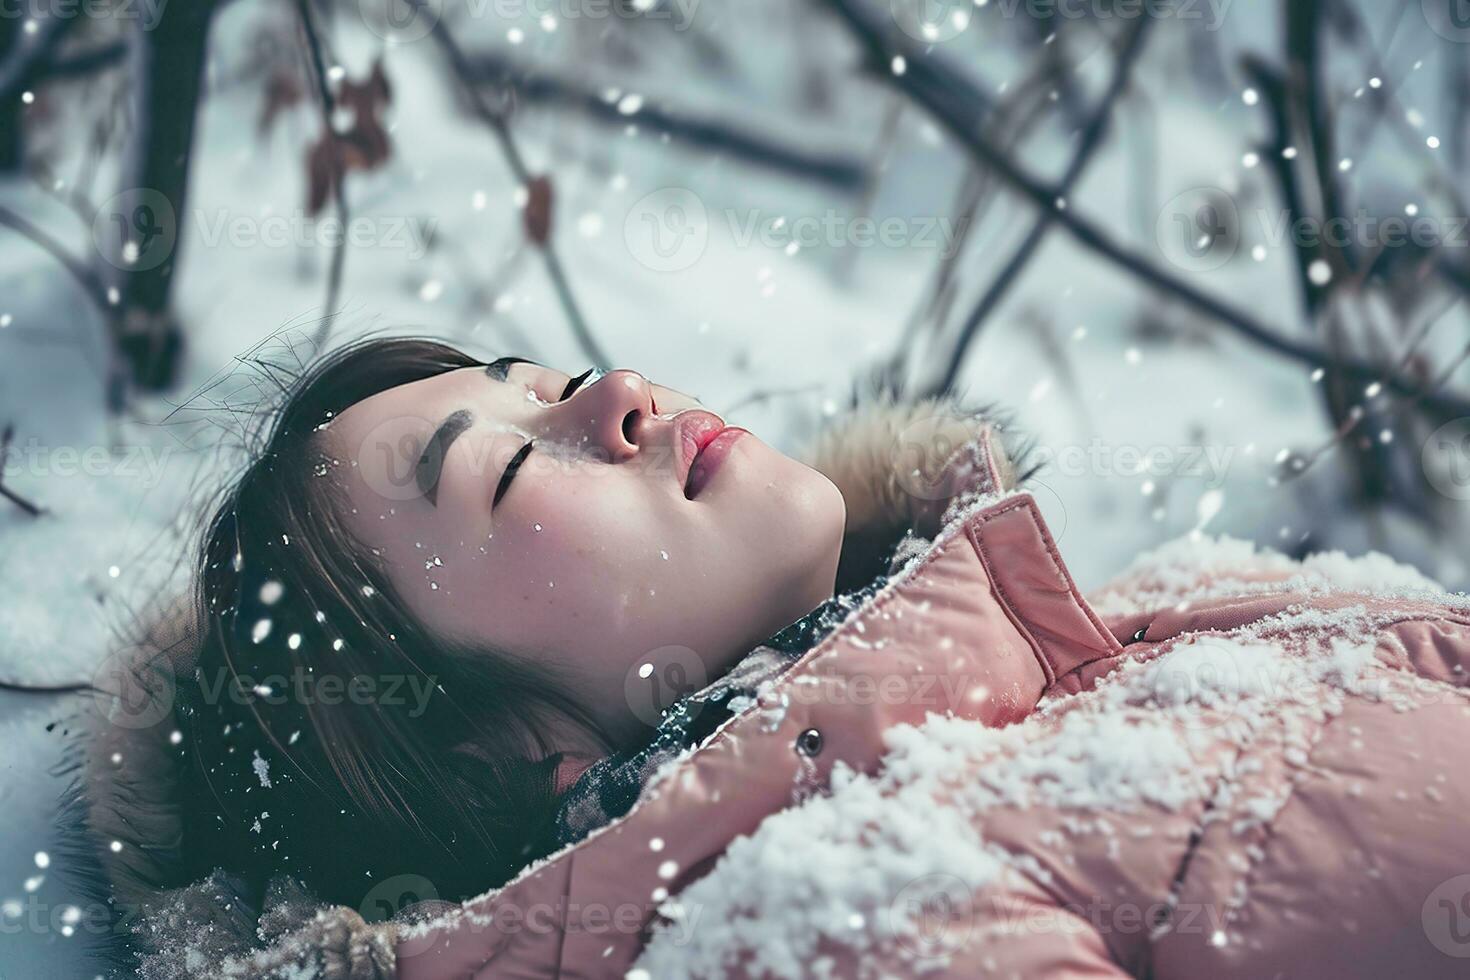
(535, 535)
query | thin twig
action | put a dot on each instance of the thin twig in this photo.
(1008, 276)
(500, 127)
(1394, 110)
(535, 86)
(1011, 121)
(31, 50)
(943, 92)
(5, 491)
(18, 688)
(98, 57)
(339, 190)
(89, 281)
(21, 502)
(1273, 92)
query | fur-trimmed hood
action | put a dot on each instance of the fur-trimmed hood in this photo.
(897, 465)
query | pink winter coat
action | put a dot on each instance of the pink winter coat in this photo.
(1228, 765)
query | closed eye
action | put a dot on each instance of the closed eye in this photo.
(510, 471)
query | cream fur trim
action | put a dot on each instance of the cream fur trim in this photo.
(898, 464)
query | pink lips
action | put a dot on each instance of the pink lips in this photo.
(701, 441)
(711, 458)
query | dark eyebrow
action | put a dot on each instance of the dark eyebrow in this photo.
(500, 367)
(431, 461)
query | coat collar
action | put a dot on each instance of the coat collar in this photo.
(1029, 580)
(1027, 577)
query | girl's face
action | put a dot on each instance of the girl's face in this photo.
(602, 525)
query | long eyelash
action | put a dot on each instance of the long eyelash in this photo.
(575, 383)
(510, 471)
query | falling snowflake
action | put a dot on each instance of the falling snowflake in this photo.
(262, 770)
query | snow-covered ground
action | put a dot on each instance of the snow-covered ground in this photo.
(734, 317)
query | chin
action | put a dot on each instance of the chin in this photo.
(811, 527)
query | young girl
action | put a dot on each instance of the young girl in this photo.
(465, 624)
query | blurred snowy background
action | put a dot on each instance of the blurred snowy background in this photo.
(1212, 254)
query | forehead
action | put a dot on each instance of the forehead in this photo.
(398, 421)
(433, 399)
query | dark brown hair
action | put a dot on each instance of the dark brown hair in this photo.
(345, 778)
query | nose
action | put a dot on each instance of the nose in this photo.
(608, 413)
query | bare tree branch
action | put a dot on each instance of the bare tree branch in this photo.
(536, 86)
(9, 494)
(1273, 92)
(89, 281)
(32, 50)
(339, 190)
(167, 68)
(1091, 138)
(500, 127)
(944, 93)
(106, 54)
(1009, 122)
